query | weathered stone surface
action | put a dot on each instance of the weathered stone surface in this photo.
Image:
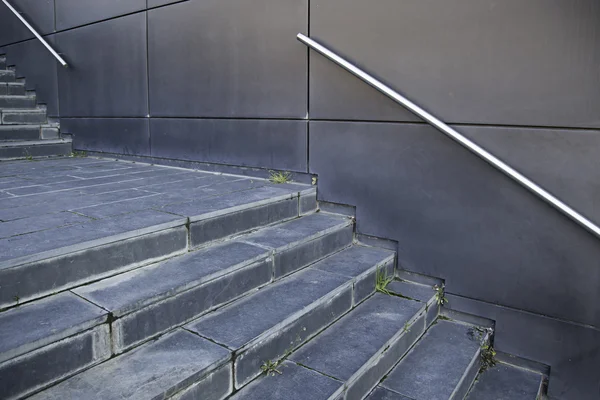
(37, 369)
(215, 386)
(505, 382)
(141, 325)
(38, 278)
(308, 203)
(384, 394)
(275, 345)
(37, 324)
(156, 370)
(240, 322)
(294, 383)
(342, 349)
(412, 290)
(434, 367)
(29, 225)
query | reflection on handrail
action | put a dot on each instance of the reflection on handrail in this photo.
(37, 35)
(454, 135)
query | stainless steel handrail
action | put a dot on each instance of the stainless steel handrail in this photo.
(453, 134)
(37, 35)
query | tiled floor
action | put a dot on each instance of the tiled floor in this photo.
(56, 202)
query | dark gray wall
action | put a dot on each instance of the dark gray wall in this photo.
(225, 82)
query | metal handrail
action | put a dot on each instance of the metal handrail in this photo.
(454, 135)
(37, 35)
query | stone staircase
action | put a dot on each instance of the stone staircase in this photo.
(25, 131)
(129, 281)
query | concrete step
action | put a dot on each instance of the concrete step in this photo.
(280, 317)
(34, 116)
(355, 352)
(2, 62)
(7, 75)
(179, 365)
(20, 132)
(49, 340)
(30, 149)
(66, 257)
(12, 88)
(151, 300)
(442, 365)
(17, 101)
(507, 382)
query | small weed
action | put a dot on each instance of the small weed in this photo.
(280, 177)
(440, 297)
(382, 280)
(406, 327)
(314, 180)
(78, 154)
(16, 298)
(29, 158)
(488, 357)
(270, 368)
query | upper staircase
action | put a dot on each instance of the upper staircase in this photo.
(129, 281)
(25, 131)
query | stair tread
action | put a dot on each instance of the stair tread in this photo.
(294, 383)
(384, 394)
(342, 349)
(47, 320)
(132, 290)
(54, 242)
(155, 370)
(435, 365)
(506, 382)
(411, 290)
(239, 323)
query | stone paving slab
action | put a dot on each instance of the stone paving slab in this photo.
(412, 290)
(55, 242)
(47, 321)
(506, 382)
(48, 221)
(384, 394)
(156, 370)
(434, 368)
(294, 383)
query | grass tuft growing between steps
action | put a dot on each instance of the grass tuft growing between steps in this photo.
(488, 357)
(440, 296)
(280, 177)
(382, 280)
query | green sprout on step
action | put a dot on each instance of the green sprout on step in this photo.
(406, 327)
(78, 154)
(280, 177)
(488, 356)
(270, 368)
(440, 295)
(16, 299)
(314, 180)
(382, 280)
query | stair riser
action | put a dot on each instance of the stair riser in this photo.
(7, 75)
(7, 102)
(60, 273)
(23, 152)
(2, 62)
(278, 341)
(18, 133)
(142, 325)
(39, 369)
(205, 231)
(181, 308)
(12, 89)
(215, 386)
(49, 133)
(22, 118)
(365, 379)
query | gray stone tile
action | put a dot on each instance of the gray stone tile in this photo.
(176, 310)
(215, 386)
(136, 289)
(300, 229)
(346, 346)
(59, 360)
(37, 324)
(384, 394)
(29, 225)
(308, 203)
(237, 324)
(294, 383)
(157, 370)
(50, 275)
(505, 382)
(435, 366)
(76, 236)
(354, 261)
(411, 290)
